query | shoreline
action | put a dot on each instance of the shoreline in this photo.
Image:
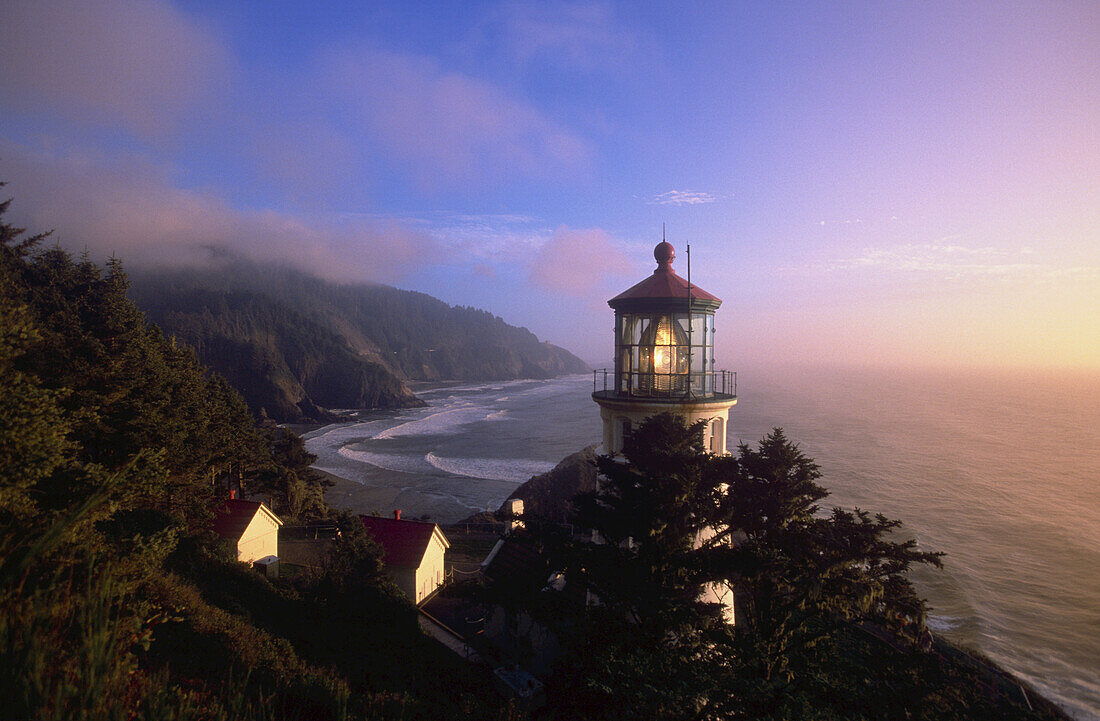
(383, 491)
(357, 497)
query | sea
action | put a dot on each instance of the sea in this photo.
(999, 470)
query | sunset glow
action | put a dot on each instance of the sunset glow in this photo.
(911, 184)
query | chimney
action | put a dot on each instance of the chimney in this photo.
(397, 514)
(232, 494)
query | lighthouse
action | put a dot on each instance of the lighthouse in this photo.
(664, 359)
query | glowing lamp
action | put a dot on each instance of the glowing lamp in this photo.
(663, 355)
(664, 341)
(664, 358)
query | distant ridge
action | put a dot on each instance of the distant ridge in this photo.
(296, 346)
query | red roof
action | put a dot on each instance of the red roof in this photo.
(233, 517)
(664, 283)
(403, 542)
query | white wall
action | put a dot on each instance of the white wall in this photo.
(614, 412)
(260, 538)
(429, 576)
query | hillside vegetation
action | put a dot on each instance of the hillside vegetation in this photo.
(828, 625)
(117, 601)
(295, 345)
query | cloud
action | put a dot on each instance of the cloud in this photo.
(683, 197)
(141, 64)
(846, 221)
(447, 126)
(304, 156)
(587, 36)
(129, 208)
(483, 270)
(489, 238)
(948, 260)
(578, 262)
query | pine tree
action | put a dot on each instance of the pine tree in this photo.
(660, 516)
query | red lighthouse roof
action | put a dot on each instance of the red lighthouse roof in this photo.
(663, 285)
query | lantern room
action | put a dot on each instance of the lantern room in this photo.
(664, 357)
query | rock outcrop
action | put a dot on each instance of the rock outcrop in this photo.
(550, 495)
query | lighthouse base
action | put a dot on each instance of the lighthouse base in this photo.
(621, 414)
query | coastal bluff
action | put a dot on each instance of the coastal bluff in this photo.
(550, 495)
(298, 347)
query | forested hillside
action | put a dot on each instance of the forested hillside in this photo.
(117, 601)
(290, 342)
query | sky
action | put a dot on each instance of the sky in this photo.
(879, 183)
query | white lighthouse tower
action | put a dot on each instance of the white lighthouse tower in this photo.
(664, 359)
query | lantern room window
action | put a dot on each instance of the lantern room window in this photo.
(665, 354)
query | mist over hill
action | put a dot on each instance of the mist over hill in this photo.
(296, 346)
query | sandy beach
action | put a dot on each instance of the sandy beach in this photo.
(359, 497)
(379, 494)
(383, 491)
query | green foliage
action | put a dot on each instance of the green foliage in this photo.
(659, 517)
(774, 488)
(627, 674)
(116, 600)
(796, 570)
(282, 361)
(827, 622)
(32, 431)
(291, 343)
(295, 490)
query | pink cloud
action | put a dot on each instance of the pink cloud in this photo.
(448, 126)
(305, 157)
(135, 62)
(129, 208)
(483, 270)
(579, 262)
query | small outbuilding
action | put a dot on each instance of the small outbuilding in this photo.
(413, 552)
(251, 526)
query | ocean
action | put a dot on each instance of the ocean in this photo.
(999, 470)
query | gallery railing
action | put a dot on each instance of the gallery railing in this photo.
(698, 384)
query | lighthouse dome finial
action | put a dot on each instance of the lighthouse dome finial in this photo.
(664, 253)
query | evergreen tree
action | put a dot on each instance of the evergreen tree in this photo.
(32, 429)
(669, 519)
(658, 517)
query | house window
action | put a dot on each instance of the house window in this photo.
(717, 436)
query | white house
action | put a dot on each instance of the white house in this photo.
(413, 552)
(252, 528)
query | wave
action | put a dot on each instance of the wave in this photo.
(441, 422)
(511, 470)
(449, 391)
(517, 470)
(337, 433)
(941, 624)
(992, 596)
(388, 461)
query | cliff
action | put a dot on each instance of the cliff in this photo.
(550, 494)
(296, 346)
